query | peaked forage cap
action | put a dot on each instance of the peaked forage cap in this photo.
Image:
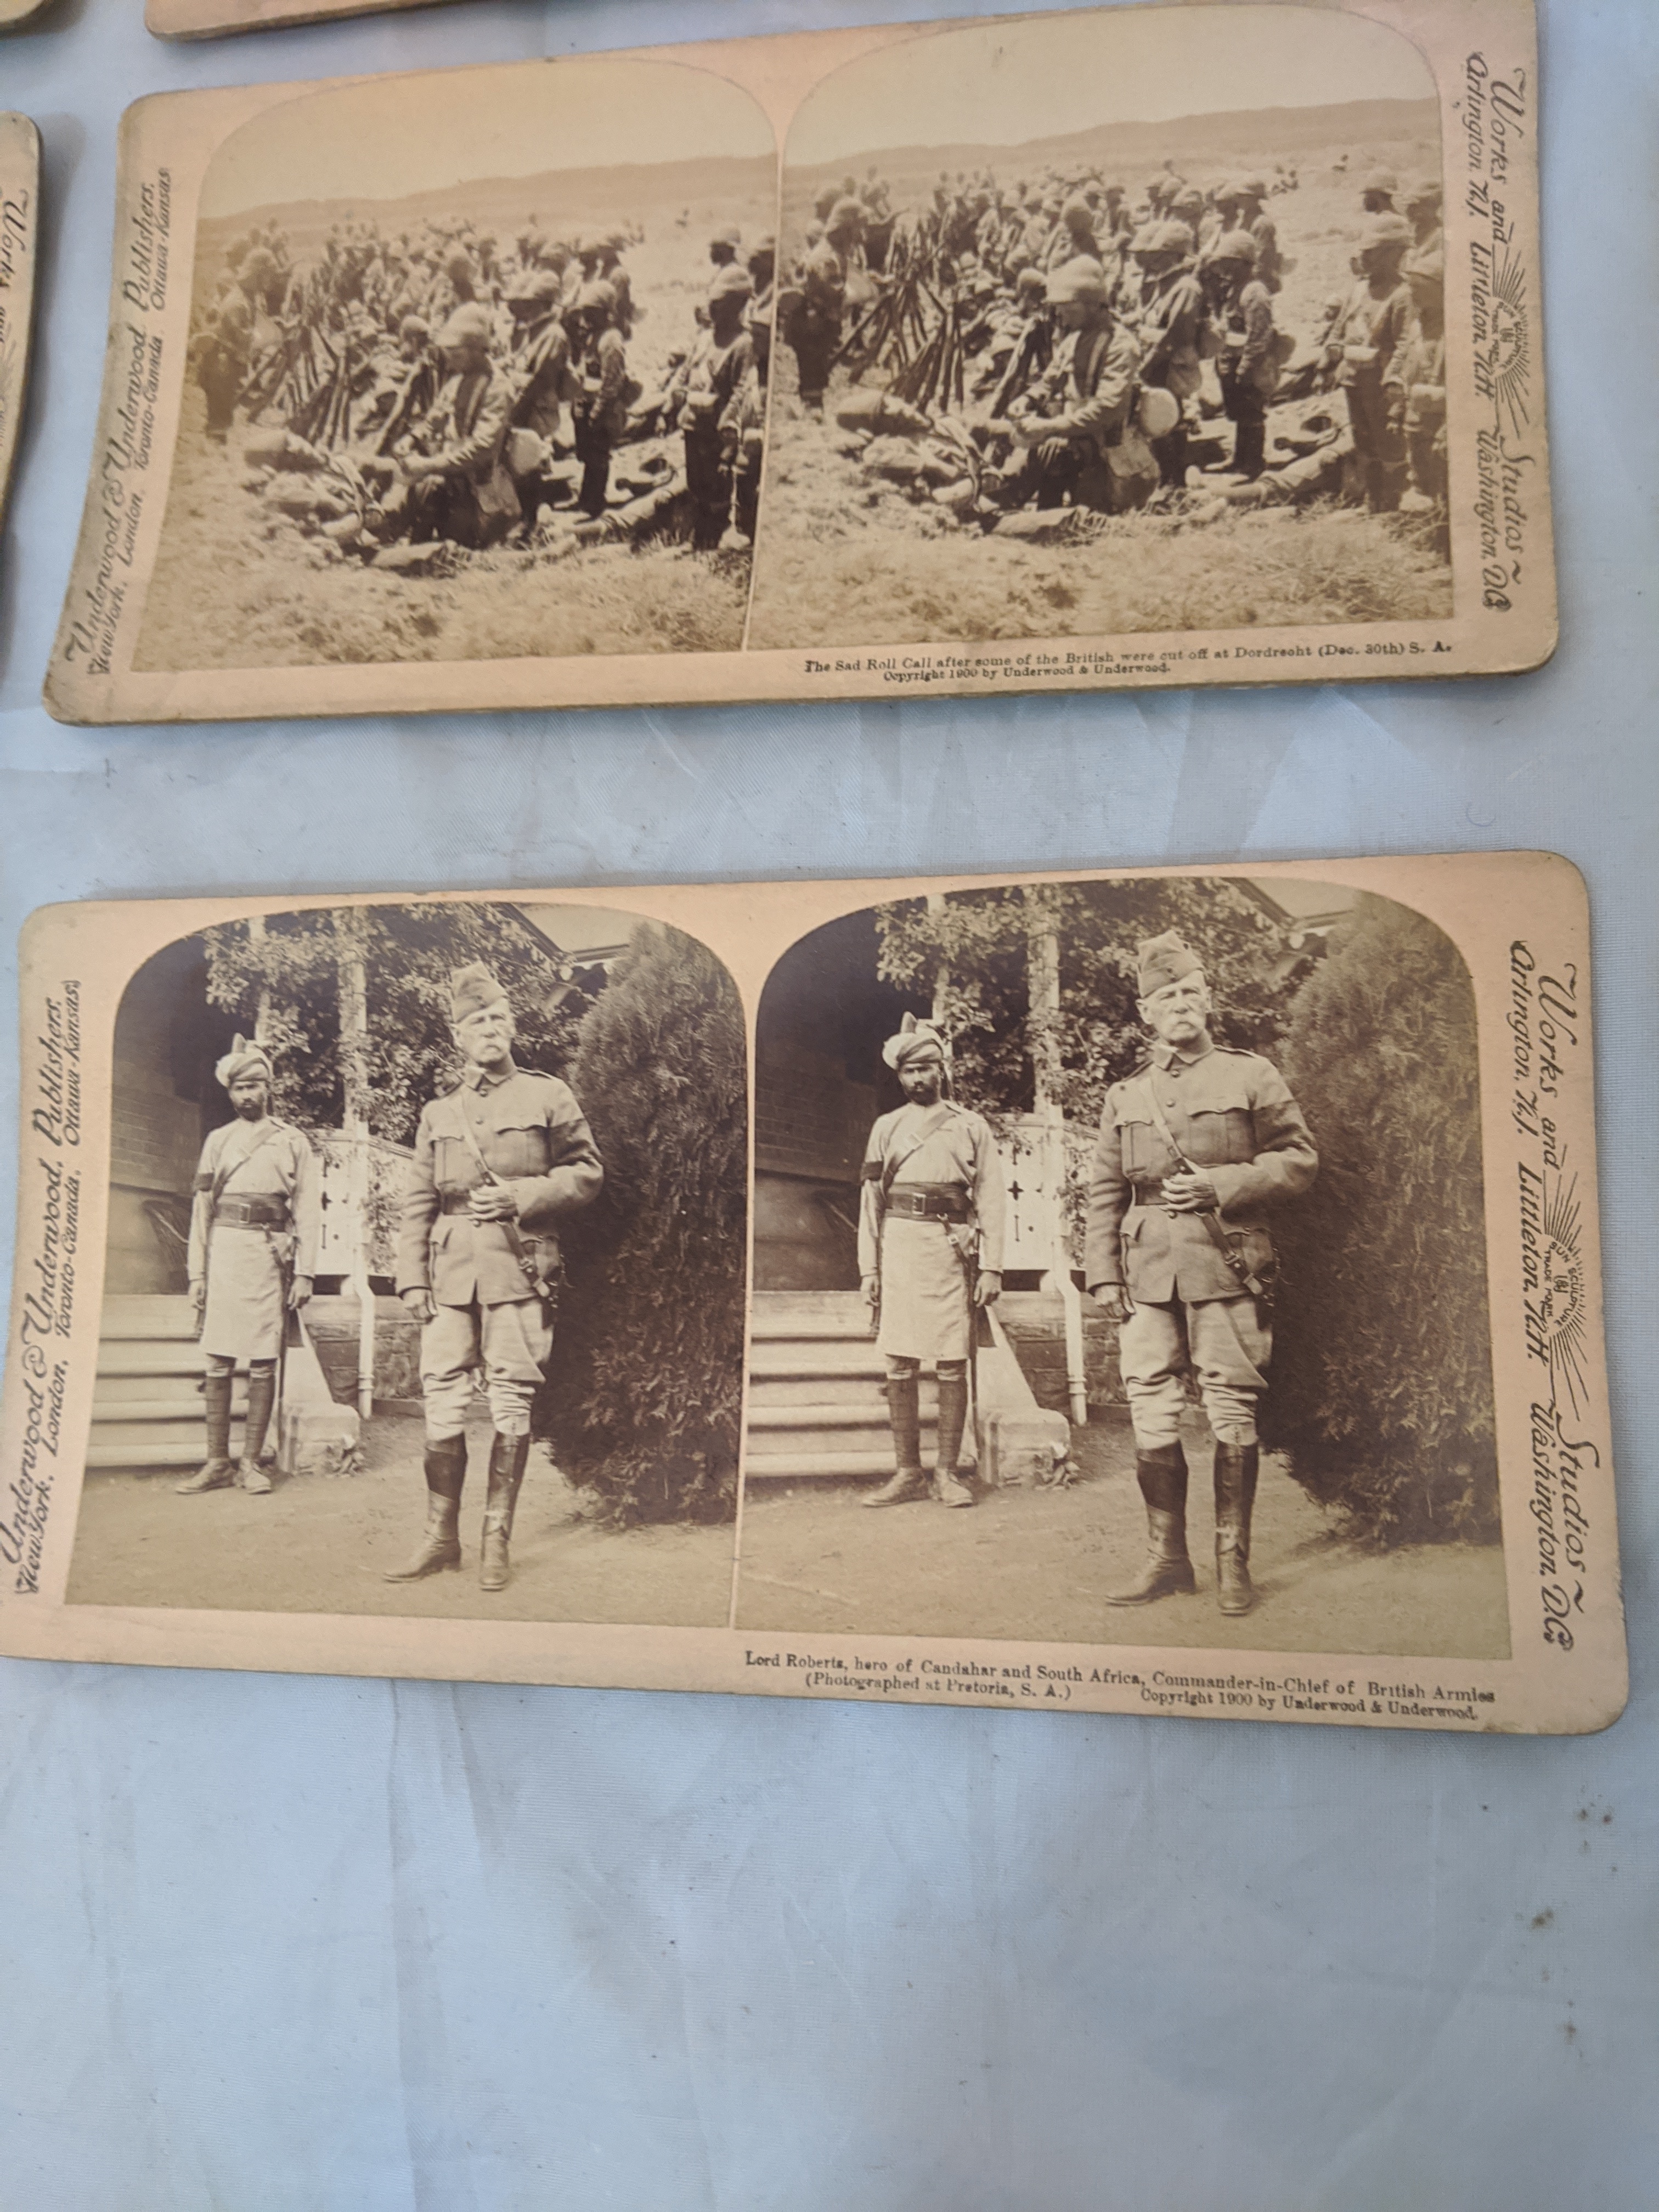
(471, 989)
(1160, 961)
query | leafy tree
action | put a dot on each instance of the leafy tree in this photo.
(1383, 1383)
(982, 938)
(643, 1395)
(284, 974)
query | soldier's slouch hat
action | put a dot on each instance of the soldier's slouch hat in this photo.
(912, 1037)
(471, 989)
(468, 326)
(244, 1058)
(1160, 961)
(1081, 283)
(1384, 230)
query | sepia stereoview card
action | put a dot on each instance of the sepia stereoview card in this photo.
(1116, 347)
(213, 19)
(20, 222)
(1164, 1291)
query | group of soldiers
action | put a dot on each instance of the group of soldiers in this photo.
(478, 392)
(1089, 320)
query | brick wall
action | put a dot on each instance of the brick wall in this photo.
(809, 1119)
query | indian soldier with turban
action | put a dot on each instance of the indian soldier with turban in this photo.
(253, 1229)
(499, 1161)
(1196, 1149)
(930, 1256)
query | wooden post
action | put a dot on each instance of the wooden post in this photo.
(1043, 957)
(353, 986)
(942, 973)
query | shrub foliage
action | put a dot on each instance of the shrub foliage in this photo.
(644, 1392)
(1383, 1385)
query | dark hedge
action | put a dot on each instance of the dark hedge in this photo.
(645, 1386)
(1382, 1387)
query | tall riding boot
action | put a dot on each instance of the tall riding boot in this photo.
(948, 1487)
(261, 1397)
(1234, 1500)
(508, 1455)
(218, 1468)
(440, 1547)
(904, 1411)
(1162, 1474)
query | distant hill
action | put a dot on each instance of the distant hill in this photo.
(562, 200)
(1133, 150)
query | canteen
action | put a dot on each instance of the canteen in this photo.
(1158, 412)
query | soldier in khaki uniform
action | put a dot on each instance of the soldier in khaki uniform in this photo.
(498, 1161)
(1195, 1148)
(930, 1254)
(254, 1223)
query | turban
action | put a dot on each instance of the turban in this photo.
(244, 1058)
(1163, 960)
(471, 989)
(912, 1036)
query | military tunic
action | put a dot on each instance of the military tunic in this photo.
(1233, 1116)
(925, 1264)
(534, 1138)
(268, 1210)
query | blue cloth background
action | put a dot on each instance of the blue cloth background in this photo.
(303, 1945)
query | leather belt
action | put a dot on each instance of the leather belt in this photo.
(917, 1201)
(1148, 1194)
(251, 1213)
(456, 1201)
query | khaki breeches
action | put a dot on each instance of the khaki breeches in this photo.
(1227, 1343)
(510, 1343)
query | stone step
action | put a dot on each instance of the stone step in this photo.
(811, 1361)
(768, 1445)
(183, 1443)
(155, 1317)
(190, 1408)
(121, 1356)
(133, 1458)
(110, 1387)
(807, 1412)
(826, 1328)
(821, 1390)
(804, 1465)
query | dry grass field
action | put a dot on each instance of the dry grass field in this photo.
(236, 586)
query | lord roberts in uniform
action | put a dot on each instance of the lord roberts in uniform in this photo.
(1195, 1149)
(930, 1256)
(498, 1162)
